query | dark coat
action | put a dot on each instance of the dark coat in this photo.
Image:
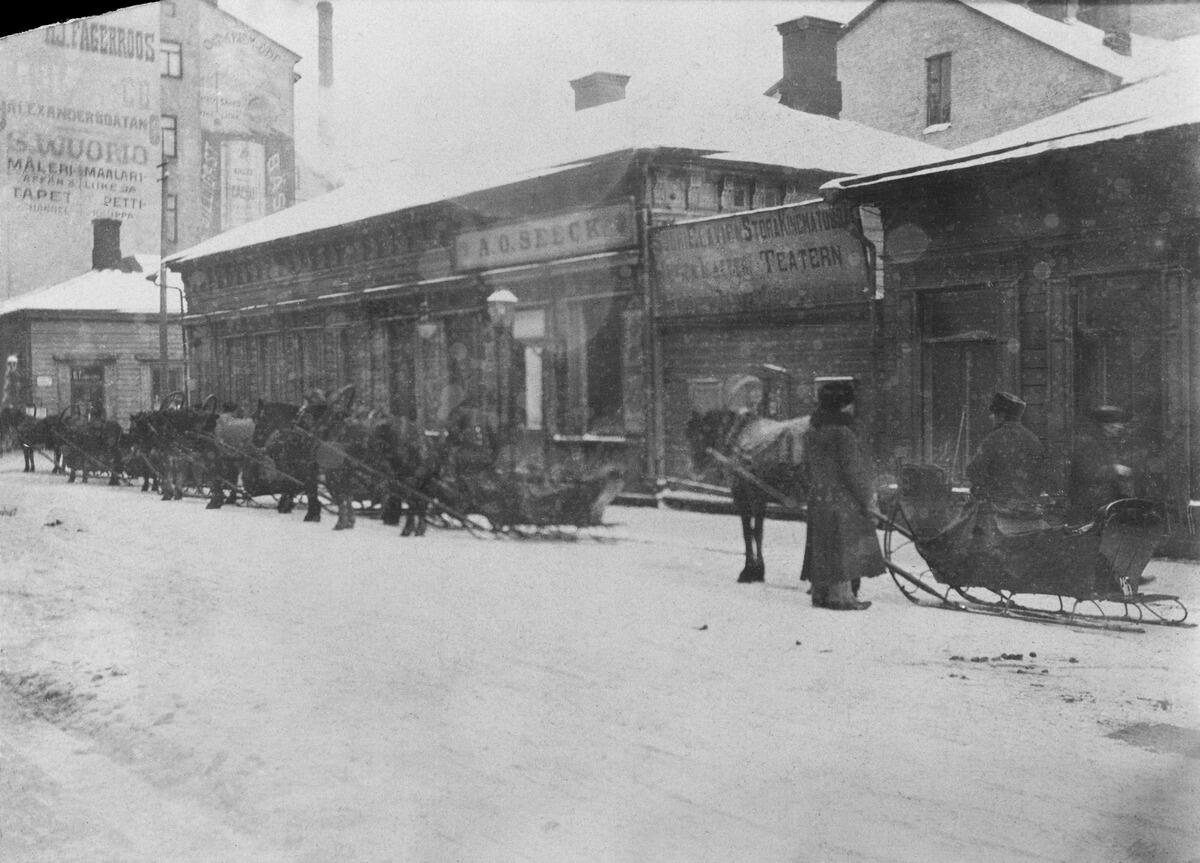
(1094, 479)
(841, 543)
(1008, 471)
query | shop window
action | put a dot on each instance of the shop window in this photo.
(529, 331)
(309, 374)
(174, 383)
(169, 126)
(403, 345)
(962, 361)
(937, 90)
(592, 378)
(1119, 354)
(268, 382)
(170, 59)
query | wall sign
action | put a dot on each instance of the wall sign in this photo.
(784, 257)
(559, 236)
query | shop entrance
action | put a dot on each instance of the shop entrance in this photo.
(87, 390)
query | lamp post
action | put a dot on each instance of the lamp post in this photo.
(501, 305)
(187, 382)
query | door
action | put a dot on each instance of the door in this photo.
(87, 390)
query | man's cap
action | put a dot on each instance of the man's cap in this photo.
(835, 395)
(1007, 404)
(1109, 414)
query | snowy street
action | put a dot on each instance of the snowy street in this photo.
(179, 684)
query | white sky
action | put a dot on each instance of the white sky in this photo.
(412, 73)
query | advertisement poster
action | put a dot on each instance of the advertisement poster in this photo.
(79, 126)
(246, 119)
(794, 256)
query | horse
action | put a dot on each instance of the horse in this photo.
(90, 445)
(764, 457)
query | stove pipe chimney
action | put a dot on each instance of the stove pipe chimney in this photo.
(106, 244)
(325, 98)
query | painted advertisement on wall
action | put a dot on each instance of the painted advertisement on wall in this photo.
(79, 128)
(246, 122)
(797, 256)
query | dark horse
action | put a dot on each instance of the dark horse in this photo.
(763, 459)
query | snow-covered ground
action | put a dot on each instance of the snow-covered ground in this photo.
(184, 685)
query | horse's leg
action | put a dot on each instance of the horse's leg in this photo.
(392, 507)
(750, 572)
(345, 507)
(760, 519)
(311, 492)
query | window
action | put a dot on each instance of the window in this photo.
(937, 90)
(590, 374)
(168, 8)
(169, 139)
(962, 368)
(170, 218)
(172, 59)
(174, 383)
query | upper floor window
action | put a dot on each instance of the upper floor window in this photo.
(169, 136)
(172, 59)
(937, 90)
(170, 218)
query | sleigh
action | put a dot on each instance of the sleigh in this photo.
(513, 499)
(953, 552)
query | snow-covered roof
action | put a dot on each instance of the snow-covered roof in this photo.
(752, 130)
(101, 291)
(1070, 36)
(1170, 100)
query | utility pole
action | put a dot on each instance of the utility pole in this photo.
(164, 362)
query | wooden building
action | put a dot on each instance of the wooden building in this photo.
(1056, 261)
(93, 342)
(383, 283)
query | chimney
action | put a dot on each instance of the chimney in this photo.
(1111, 16)
(598, 88)
(810, 66)
(106, 244)
(325, 95)
(1057, 10)
(325, 43)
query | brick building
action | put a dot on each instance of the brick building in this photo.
(950, 72)
(93, 106)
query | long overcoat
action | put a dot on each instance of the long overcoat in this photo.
(1008, 471)
(841, 544)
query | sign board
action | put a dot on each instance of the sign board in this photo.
(247, 155)
(791, 257)
(565, 235)
(79, 129)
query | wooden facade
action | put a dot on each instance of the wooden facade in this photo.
(348, 304)
(91, 359)
(1066, 277)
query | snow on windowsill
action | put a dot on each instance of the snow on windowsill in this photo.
(936, 127)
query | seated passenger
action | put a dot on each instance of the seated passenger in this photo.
(1007, 473)
(1099, 473)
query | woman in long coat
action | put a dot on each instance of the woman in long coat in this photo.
(841, 546)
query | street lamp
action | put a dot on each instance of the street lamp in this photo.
(160, 279)
(501, 305)
(426, 327)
